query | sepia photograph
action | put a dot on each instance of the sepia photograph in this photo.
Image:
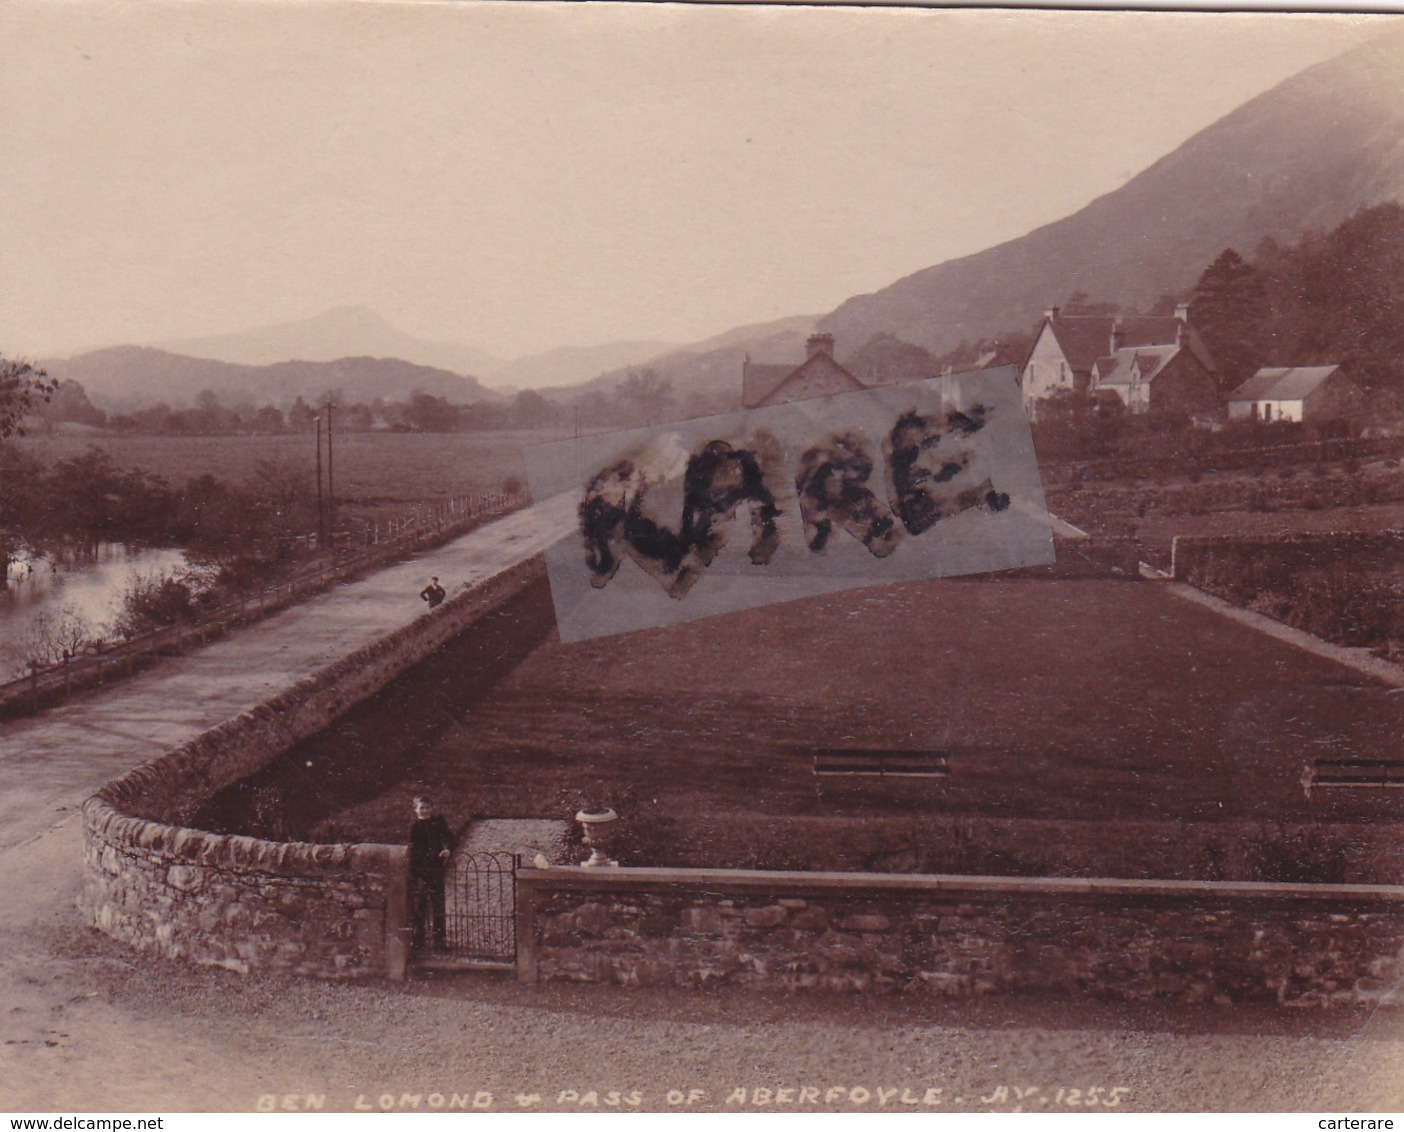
(700, 557)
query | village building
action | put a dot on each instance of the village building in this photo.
(1145, 363)
(819, 375)
(1295, 393)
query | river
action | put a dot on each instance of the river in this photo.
(42, 595)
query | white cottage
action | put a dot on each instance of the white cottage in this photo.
(1294, 393)
(1147, 362)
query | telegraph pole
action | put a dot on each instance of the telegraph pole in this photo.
(331, 480)
(321, 510)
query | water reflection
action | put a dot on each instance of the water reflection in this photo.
(40, 593)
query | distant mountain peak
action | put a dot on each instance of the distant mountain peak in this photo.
(342, 331)
(349, 313)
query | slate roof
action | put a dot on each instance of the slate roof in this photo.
(1149, 330)
(1191, 340)
(1282, 383)
(1086, 338)
(1083, 338)
(1153, 360)
(760, 379)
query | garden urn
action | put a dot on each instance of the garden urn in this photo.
(598, 826)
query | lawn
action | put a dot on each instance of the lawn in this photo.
(1094, 727)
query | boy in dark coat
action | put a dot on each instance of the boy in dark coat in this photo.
(433, 593)
(430, 847)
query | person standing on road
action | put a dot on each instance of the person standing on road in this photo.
(431, 846)
(433, 593)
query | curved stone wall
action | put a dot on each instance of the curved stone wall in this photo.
(242, 903)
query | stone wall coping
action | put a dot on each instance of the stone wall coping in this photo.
(1218, 542)
(237, 851)
(728, 882)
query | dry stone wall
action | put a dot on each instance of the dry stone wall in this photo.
(242, 903)
(236, 902)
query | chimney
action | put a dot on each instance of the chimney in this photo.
(1182, 311)
(1051, 313)
(1116, 336)
(820, 344)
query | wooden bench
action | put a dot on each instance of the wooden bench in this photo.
(1376, 773)
(865, 762)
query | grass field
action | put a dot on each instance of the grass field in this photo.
(370, 468)
(1094, 728)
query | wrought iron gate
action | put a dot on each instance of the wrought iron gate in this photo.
(481, 906)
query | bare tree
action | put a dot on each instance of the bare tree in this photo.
(55, 634)
(283, 485)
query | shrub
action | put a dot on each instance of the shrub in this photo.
(154, 603)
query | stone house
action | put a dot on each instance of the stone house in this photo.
(819, 375)
(1147, 363)
(1295, 393)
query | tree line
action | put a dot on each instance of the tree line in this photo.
(78, 503)
(643, 397)
(1332, 297)
(211, 416)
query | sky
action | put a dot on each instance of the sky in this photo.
(522, 176)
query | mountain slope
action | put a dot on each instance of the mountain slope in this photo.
(572, 363)
(128, 376)
(710, 370)
(1304, 155)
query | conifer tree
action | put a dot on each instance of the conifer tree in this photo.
(1231, 311)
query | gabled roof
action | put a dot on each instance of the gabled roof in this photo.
(816, 361)
(1085, 339)
(1152, 359)
(760, 379)
(1191, 341)
(1282, 383)
(1082, 338)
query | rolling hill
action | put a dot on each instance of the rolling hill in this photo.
(358, 331)
(125, 377)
